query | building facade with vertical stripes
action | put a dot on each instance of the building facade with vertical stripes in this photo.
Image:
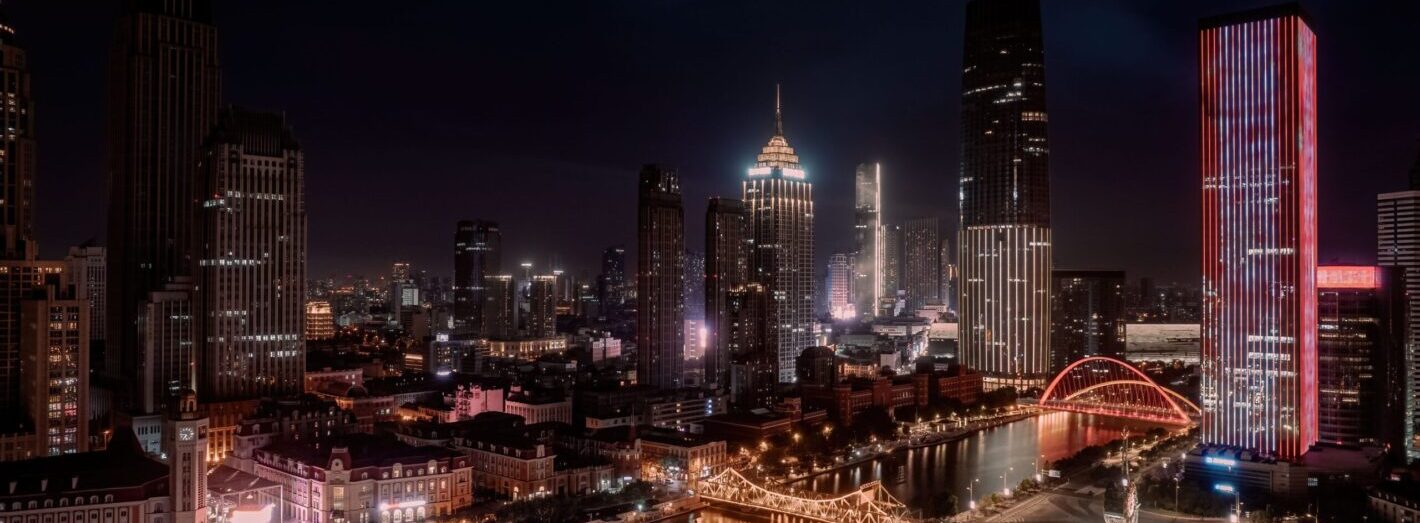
(867, 232)
(779, 199)
(252, 284)
(726, 268)
(1398, 245)
(1259, 150)
(1004, 240)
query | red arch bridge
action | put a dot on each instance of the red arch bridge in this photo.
(869, 503)
(1110, 387)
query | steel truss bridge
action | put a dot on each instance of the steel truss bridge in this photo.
(1110, 387)
(869, 503)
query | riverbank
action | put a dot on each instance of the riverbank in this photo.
(917, 442)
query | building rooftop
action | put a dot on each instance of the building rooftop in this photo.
(366, 450)
(122, 465)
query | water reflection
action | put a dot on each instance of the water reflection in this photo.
(924, 478)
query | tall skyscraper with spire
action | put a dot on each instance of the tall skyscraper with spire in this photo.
(164, 94)
(660, 280)
(780, 204)
(1004, 232)
(867, 232)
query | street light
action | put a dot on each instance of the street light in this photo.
(971, 493)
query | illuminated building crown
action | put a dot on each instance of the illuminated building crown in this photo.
(777, 155)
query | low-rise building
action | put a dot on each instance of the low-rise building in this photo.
(528, 349)
(679, 459)
(516, 466)
(362, 478)
(539, 409)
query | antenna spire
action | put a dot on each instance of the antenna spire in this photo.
(778, 113)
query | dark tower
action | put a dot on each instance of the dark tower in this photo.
(726, 268)
(164, 92)
(660, 280)
(17, 167)
(478, 245)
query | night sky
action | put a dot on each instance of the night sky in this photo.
(539, 114)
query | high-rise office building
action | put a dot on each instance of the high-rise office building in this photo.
(1088, 316)
(780, 203)
(1398, 245)
(19, 279)
(726, 268)
(867, 233)
(1259, 147)
(890, 241)
(542, 306)
(55, 360)
(947, 278)
(17, 171)
(922, 266)
(660, 280)
(88, 269)
(754, 365)
(164, 94)
(499, 322)
(611, 284)
(840, 287)
(478, 247)
(167, 339)
(1360, 341)
(252, 266)
(1004, 232)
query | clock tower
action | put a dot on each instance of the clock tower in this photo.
(185, 443)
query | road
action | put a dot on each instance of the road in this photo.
(1062, 506)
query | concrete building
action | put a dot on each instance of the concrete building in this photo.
(660, 280)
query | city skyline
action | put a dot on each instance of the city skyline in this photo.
(907, 122)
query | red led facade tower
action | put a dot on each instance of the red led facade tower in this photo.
(1258, 138)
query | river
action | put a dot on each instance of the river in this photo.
(923, 477)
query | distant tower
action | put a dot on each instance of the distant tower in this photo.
(780, 203)
(922, 268)
(660, 280)
(185, 443)
(840, 287)
(867, 231)
(1259, 146)
(477, 253)
(1004, 231)
(542, 306)
(726, 268)
(498, 305)
(611, 284)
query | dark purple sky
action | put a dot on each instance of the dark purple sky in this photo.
(538, 114)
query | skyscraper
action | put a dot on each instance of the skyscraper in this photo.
(1398, 245)
(1360, 315)
(660, 279)
(726, 268)
(1258, 95)
(17, 171)
(542, 306)
(1088, 316)
(252, 269)
(694, 286)
(611, 284)
(164, 93)
(167, 339)
(922, 267)
(478, 247)
(891, 244)
(779, 200)
(840, 286)
(499, 322)
(867, 233)
(1004, 232)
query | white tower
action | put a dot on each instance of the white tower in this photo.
(185, 443)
